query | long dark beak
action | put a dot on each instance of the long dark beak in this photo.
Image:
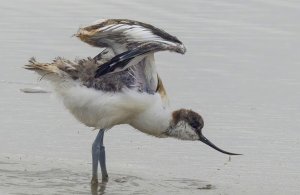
(207, 142)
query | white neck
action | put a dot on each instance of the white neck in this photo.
(159, 122)
(153, 121)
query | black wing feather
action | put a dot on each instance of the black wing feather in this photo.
(121, 60)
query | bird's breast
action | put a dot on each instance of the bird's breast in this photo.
(100, 109)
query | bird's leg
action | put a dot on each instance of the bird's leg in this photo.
(102, 159)
(95, 157)
(98, 154)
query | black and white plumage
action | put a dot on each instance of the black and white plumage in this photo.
(122, 35)
(131, 41)
(121, 85)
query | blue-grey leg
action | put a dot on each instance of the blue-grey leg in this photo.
(98, 154)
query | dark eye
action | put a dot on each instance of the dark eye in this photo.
(194, 124)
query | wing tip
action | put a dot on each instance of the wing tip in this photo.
(181, 49)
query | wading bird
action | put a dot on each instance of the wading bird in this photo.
(121, 85)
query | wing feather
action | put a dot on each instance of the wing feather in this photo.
(122, 35)
(128, 58)
(130, 42)
(162, 91)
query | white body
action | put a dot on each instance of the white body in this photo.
(100, 109)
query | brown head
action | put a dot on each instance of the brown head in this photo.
(187, 125)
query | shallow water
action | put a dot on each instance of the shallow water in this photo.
(241, 72)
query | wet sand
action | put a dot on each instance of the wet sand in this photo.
(241, 72)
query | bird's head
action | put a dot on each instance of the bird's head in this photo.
(187, 125)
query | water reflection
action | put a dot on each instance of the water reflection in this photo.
(68, 181)
(98, 188)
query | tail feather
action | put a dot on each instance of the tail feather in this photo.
(57, 70)
(41, 67)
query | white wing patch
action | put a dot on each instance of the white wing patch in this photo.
(134, 33)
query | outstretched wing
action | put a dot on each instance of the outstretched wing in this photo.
(130, 42)
(128, 58)
(122, 35)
